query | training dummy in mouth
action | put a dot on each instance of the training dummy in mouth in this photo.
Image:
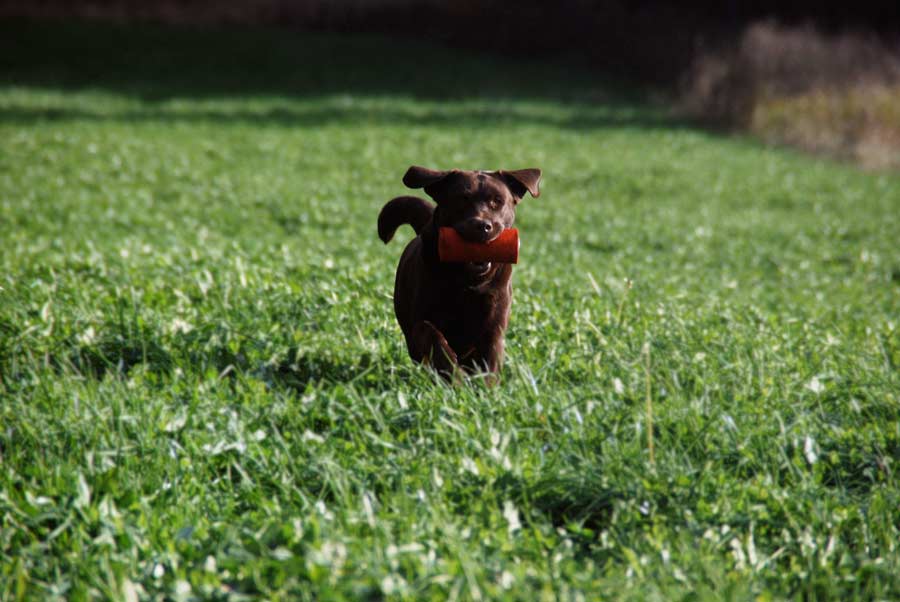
(453, 248)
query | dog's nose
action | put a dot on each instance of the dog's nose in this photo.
(477, 229)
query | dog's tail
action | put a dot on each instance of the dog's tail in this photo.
(403, 210)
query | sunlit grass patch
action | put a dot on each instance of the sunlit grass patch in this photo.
(205, 394)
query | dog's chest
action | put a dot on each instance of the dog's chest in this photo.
(464, 314)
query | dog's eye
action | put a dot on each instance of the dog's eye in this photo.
(495, 202)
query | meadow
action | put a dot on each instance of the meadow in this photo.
(204, 393)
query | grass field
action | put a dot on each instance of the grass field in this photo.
(205, 394)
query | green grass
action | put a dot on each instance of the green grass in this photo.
(205, 394)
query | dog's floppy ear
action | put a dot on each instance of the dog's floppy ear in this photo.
(420, 177)
(523, 180)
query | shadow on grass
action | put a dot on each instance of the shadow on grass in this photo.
(582, 506)
(120, 355)
(303, 370)
(296, 370)
(118, 350)
(155, 64)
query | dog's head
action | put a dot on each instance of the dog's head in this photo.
(479, 205)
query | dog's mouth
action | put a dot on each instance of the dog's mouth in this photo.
(477, 268)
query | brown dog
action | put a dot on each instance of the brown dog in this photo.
(455, 314)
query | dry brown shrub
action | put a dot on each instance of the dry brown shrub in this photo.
(838, 94)
(861, 122)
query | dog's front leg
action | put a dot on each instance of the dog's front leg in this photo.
(428, 346)
(489, 356)
(494, 356)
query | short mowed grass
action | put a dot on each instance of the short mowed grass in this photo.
(204, 394)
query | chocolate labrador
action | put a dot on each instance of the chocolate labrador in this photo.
(455, 314)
